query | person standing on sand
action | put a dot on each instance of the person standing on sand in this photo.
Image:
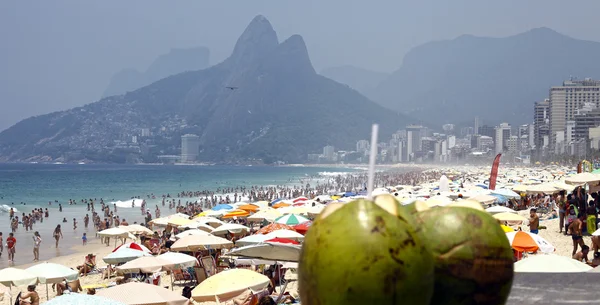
(534, 221)
(575, 229)
(1, 244)
(74, 224)
(86, 220)
(562, 210)
(57, 234)
(37, 240)
(11, 242)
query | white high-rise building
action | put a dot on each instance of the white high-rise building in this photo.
(190, 148)
(502, 136)
(362, 146)
(328, 152)
(566, 100)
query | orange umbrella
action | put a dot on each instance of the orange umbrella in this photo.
(281, 205)
(248, 207)
(236, 213)
(274, 227)
(525, 241)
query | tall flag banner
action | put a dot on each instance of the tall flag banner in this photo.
(494, 173)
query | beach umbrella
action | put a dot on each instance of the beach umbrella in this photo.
(124, 255)
(550, 263)
(135, 293)
(219, 207)
(251, 239)
(213, 213)
(299, 199)
(269, 251)
(283, 233)
(191, 232)
(114, 232)
(145, 264)
(17, 277)
(520, 188)
(507, 229)
(303, 227)
(438, 200)
(583, 178)
(544, 188)
(236, 213)
(509, 217)
(291, 219)
(50, 273)
(4, 291)
(506, 193)
(198, 242)
(281, 205)
(179, 221)
(232, 228)
(467, 203)
(78, 298)
(500, 209)
(500, 198)
(180, 260)
(485, 199)
(208, 220)
(136, 229)
(248, 207)
(282, 241)
(563, 186)
(228, 284)
(529, 242)
(132, 246)
(268, 215)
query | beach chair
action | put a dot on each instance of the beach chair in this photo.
(209, 265)
(181, 275)
(200, 274)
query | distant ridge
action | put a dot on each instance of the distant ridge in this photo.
(359, 79)
(497, 79)
(280, 110)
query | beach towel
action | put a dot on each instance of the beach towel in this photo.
(591, 224)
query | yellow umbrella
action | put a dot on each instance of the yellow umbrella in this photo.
(228, 284)
(177, 221)
(236, 213)
(520, 188)
(509, 217)
(507, 229)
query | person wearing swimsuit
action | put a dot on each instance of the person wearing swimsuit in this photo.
(34, 298)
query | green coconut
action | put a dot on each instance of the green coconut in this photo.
(473, 259)
(361, 254)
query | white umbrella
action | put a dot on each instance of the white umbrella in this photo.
(544, 188)
(230, 228)
(191, 232)
(136, 229)
(197, 225)
(114, 232)
(582, 178)
(251, 239)
(198, 242)
(52, 273)
(17, 277)
(268, 214)
(283, 233)
(124, 255)
(180, 260)
(506, 193)
(142, 294)
(269, 251)
(500, 209)
(77, 298)
(550, 263)
(147, 264)
(215, 223)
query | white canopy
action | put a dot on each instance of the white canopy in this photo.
(53, 273)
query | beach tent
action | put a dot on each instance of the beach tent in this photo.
(197, 242)
(78, 298)
(142, 294)
(228, 284)
(529, 242)
(550, 263)
(269, 251)
(232, 228)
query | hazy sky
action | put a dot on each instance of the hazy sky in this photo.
(58, 54)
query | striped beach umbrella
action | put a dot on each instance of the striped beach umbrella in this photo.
(291, 219)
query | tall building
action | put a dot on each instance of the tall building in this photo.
(541, 123)
(583, 123)
(489, 131)
(328, 152)
(190, 148)
(418, 132)
(362, 146)
(502, 137)
(476, 129)
(567, 99)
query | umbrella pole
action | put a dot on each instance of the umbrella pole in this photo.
(171, 280)
(47, 297)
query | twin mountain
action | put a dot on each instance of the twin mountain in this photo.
(264, 103)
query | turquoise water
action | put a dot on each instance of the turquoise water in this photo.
(37, 184)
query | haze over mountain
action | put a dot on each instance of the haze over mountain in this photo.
(281, 110)
(362, 80)
(497, 79)
(174, 62)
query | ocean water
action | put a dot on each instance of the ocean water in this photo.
(27, 186)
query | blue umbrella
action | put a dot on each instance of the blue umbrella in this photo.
(275, 201)
(76, 298)
(349, 194)
(483, 186)
(219, 207)
(506, 193)
(500, 198)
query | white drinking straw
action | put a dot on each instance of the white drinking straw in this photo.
(372, 158)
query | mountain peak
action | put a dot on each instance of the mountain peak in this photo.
(258, 38)
(295, 55)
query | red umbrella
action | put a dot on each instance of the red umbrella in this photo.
(299, 199)
(133, 246)
(303, 227)
(282, 241)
